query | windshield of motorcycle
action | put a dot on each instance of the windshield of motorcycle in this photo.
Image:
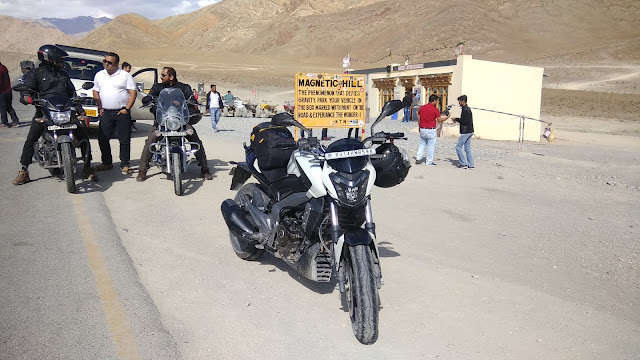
(57, 103)
(349, 165)
(172, 107)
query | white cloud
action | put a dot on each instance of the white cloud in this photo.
(151, 9)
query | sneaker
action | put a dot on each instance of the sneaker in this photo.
(15, 125)
(104, 167)
(431, 163)
(22, 178)
(419, 161)
(206, 174)
(216, 130)
(4, 126)
(89, 173)
(471, 167)
(142, 175)
(460, 166)
(325, 139)
(126, 170)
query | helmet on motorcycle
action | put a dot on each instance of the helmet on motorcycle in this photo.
(52, 55)
(392, 167)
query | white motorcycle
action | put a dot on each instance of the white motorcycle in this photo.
(311, 207)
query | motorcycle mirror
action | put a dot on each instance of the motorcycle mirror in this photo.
(87, 85)
(20, 87)
(285, 119)
(391, 107)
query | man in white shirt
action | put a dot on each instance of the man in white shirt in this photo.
(115, 93)
(215, 105)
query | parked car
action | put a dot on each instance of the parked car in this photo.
(83, 64)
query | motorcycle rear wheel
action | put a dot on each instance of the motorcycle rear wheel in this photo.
(362, 293)
(67, 167)
(176, 173)
(243, 249)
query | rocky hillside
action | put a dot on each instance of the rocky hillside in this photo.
(26, 37)
(370, 29)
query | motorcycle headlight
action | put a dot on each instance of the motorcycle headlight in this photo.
(60, 118)
(173, 123)
(351, 192)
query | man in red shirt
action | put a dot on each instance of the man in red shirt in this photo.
(6, 99)
(429, 119)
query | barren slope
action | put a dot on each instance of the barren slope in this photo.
(26, 37)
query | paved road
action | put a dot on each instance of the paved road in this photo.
(485, 265)
(67, 285)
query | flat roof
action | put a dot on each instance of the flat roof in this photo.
(427, 65)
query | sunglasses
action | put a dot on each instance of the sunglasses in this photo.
(105, 61)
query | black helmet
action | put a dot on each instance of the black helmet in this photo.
(392, 167)
(52, 55)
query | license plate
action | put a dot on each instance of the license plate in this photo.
(174, 133)
(91, 112)
(63, 127)
(349, 153)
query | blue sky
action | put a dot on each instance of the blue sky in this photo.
(156, 9)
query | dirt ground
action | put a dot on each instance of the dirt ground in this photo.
(532, 255)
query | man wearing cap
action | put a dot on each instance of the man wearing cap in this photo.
(115, 93)
(466, 132)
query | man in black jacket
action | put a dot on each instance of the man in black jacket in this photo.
(169, 80)
(466, 132)
(50, 80)
(406, 104)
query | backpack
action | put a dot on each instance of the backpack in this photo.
(272, 145)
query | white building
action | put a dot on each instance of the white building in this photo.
(499, 87)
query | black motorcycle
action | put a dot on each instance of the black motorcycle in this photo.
(56, 148)
(172, 153)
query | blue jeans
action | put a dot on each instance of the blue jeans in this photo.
(215, 117)
(465, 140)
(407, 114)
(427, 140)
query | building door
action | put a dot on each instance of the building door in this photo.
(437, 85)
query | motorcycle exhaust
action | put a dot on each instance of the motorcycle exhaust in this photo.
(237, 222)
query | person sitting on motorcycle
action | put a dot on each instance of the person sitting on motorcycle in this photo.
(169, 80)
(49, 80)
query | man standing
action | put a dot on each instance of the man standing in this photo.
(126, 67)
(215, 105)
(115, 93)
(169, 79)
(6, 99)
(429, 117)
(229, 98)
(466, 132)
(415, 105)
(406, 103)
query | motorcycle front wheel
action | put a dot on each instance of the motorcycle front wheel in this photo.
(67, 167)
(176, 173)
(243, 249)
(361, 293)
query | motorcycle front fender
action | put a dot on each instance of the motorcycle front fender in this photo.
(352, 238)
(64, 139)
